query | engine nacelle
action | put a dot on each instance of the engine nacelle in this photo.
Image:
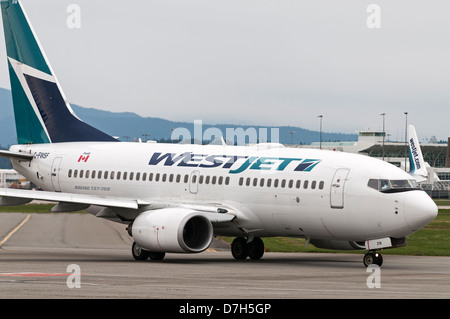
(173, 230)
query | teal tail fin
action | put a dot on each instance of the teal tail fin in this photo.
(41, 111)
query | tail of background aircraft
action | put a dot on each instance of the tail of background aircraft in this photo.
(41, 111)
(416, 161)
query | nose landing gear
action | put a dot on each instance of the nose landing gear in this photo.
(372, 257)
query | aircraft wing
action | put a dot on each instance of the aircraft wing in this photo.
(9, 195)
(215, 212)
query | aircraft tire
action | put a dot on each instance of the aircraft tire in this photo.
(255, 248)
(239, 248)
(157, 255)
(139, 253)
(371, 258)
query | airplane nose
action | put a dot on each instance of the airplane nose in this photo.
(419, 209)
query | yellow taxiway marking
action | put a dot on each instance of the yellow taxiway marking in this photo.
(14, 230)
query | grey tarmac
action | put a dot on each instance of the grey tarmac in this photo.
(36, 262)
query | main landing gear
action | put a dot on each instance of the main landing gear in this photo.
(241, 248)
(372, 257)
(142, 254)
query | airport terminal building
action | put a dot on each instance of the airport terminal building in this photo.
(370, 143)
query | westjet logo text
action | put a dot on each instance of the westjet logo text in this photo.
(235, 163)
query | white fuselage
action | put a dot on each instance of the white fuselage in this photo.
(275, 191)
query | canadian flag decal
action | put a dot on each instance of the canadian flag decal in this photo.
(84, 157)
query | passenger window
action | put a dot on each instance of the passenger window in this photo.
(241, 181)
(70, 173)
(305, 184)
(247, 182)
(255, 181)
(186, 178)
(164, 176)
(87, 174)
(118, 175)
(298, 184)
(171, 178)
(227, 180)
(125, 174)
(275, 183)
(200, 179)
(213, 180)
(261, 182)
(150, 177)
(313, 185)
(269, 182)
(291, 183)
(220, 180)
(75, 173)
(283, 183)
(178, 178)
(93, 174)
(111, 175)
(138, 176)
(99, 174)
(105, 175)
(321, 184)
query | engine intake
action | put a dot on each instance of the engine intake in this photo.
(173, 230)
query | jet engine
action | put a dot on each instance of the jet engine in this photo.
(174, 230)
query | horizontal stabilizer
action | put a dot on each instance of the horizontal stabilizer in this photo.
(16, 155)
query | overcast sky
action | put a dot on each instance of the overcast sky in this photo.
(258, 62)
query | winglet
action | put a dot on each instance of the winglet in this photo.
(416, 161)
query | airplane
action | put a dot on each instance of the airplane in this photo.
(176, 198)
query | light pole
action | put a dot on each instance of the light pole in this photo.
(320, 116)
(406, 137)
(292, 137)
(384, 134)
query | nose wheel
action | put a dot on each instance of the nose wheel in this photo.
(372, 258)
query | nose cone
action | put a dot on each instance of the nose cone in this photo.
(420, 210)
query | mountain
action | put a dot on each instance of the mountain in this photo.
(130, 126)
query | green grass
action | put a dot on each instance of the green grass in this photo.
(442, 202)
(30, 208)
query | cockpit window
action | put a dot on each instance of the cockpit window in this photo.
(393, 186)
